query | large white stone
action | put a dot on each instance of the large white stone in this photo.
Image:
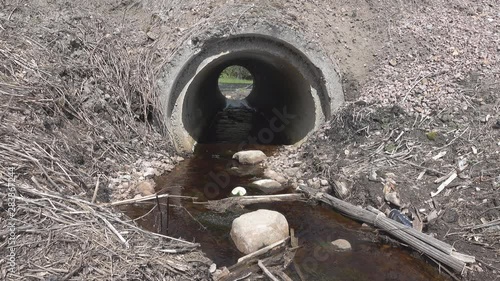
(250, 156)
(341, 245)
(255, 230)
(268, 186)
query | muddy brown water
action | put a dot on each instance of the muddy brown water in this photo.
(211, 173)
(315, 226)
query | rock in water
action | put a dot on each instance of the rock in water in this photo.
(268, 186)
(239, 191)
(274, 176)
(255, 230)
(341, 245)
(250, 156)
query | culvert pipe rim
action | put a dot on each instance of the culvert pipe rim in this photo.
(292, 77)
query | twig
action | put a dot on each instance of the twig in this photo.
(488, 224)
(161, 214)
(11, 13)
(444, 184)
(416, 165)
(113, 229)
(266, 271)
(488, 265)
(263, 250)
(168, 211)
(73, 272)
(96, 189)
(142, 199)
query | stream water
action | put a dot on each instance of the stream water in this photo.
(315, 226)
(211, 174)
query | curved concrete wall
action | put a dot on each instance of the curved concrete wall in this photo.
(293, 80)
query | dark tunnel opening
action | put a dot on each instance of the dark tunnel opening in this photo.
(278, 110)
(288, 100)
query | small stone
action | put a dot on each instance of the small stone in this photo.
(212, 268)
(432, 216)
(268, 186)
(150, 173)
(274, 176)
(297, 163)
(366, 226)
(152, 35)
(393, 62)
(341, 189)
(137, 196)
(250, 157)
(341, 245)
(393, 197)
(314, 184)
(239, 191)
(291, 171)
(373, 175)
(146, 188)
(324, 182)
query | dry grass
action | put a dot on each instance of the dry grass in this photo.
(76, 99)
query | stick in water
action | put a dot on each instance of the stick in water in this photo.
(161, 214)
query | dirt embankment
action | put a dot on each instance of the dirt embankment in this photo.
(78, 96)
(428, 106)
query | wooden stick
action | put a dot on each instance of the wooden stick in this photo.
(113, 229)
(444, 184)
(284, 276)
(168, 212)
(419, 241)
(161, 214)
(416, 165)
(247, 200)
(96, 189)
(262, 251)
(136, 200)
(266, 271)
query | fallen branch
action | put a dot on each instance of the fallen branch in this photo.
(145, 198)
(224, 204)
(249, 264)
(266, 271)
(426, 244)
(262, 251)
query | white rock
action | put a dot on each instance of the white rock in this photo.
(145, 188)
(212, 268)
(268, 186)
(324, 182)
(239, 191)
(341, 245)
(250, 156)
(274, 176)
(255, 230)
(150, 173)
(393, 197)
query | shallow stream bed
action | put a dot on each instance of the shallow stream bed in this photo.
(212, 174)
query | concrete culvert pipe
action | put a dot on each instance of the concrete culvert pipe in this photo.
(296, 85)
